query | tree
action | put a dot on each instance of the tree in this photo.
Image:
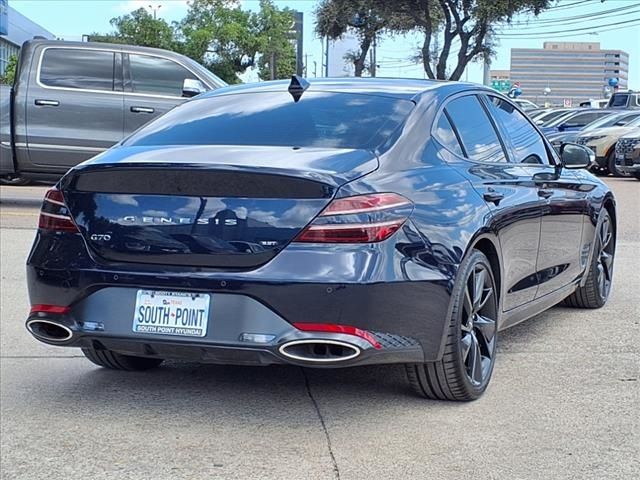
(220, 35)
(9, 71)
(277, 54)
(472, 22)
(367, 19)
(139, 28)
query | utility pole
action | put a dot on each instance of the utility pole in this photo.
(486, 74)
(306, 63)
(374, 60)
(315, 69)
(272, 66)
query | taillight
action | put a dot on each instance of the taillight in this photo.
(359, 219)
(54, 214)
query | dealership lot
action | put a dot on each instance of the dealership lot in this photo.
(563, 402)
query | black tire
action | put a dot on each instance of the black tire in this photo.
(596, 290)
(473, 319)
(637, 175)
(15, 181)
(118, 361)
(613, 168)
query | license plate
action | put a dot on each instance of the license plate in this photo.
(171, 313)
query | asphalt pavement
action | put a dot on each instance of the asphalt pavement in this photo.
(564, 402)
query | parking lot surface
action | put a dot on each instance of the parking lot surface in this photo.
(564, 401)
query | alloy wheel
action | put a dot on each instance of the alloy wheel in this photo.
(478, 325)
(605, 258)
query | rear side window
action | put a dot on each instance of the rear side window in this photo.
(157, 76)
(476, 132)
(527, 143)
(77, 68)
(446, 136)
(318, 119)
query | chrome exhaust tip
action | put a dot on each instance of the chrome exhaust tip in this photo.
(48, 330)
(319, 351)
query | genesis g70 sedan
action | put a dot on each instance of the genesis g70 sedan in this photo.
(322, 223)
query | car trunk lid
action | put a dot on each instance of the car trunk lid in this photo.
(228, 207)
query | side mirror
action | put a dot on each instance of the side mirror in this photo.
(575, 156)
(192, 87)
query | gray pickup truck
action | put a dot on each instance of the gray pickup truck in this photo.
(72, 100)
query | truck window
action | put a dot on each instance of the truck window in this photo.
(157, 76)
(77, 68)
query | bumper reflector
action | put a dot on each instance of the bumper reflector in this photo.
(333, 328)
(42, 308)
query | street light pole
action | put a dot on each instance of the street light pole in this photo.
(155, 9)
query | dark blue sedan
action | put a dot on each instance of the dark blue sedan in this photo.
(329, 223)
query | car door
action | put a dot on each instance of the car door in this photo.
(74, 106)
(507, 188)
(561, 255)
(153, 86)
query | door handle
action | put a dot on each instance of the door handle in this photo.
(492, 196)
(47, 103)
(142, 110)
(545, 193)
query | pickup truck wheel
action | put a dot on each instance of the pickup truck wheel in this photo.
(118, 361)
(16, 181)
(613, 168)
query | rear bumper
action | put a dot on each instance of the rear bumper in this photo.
(374, 288)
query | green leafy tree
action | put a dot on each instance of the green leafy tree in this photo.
(471, 22)
(220, 35)
(367, 19)
(274, 29)
(10, 71)
(139, 28)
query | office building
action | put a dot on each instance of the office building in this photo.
(573, 71)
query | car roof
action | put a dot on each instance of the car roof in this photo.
(104, 45)
(402, 88)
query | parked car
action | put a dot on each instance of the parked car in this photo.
(72, 100)
(330, 223)
(628, 99)
(616, 119)
(628, 153)
(574, 120)
(551, 116)
(525, 104)
(537, 112)
(603, 141)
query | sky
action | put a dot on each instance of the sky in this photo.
(70, 19)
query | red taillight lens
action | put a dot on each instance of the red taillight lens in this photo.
(365, 204)
(358, 219)
(54, 214)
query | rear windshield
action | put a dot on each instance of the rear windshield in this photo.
(318, 119)
(619, 100)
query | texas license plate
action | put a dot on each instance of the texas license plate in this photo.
(171, 313)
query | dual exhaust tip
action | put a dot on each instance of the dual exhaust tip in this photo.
(49, 331)
(320, 351)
